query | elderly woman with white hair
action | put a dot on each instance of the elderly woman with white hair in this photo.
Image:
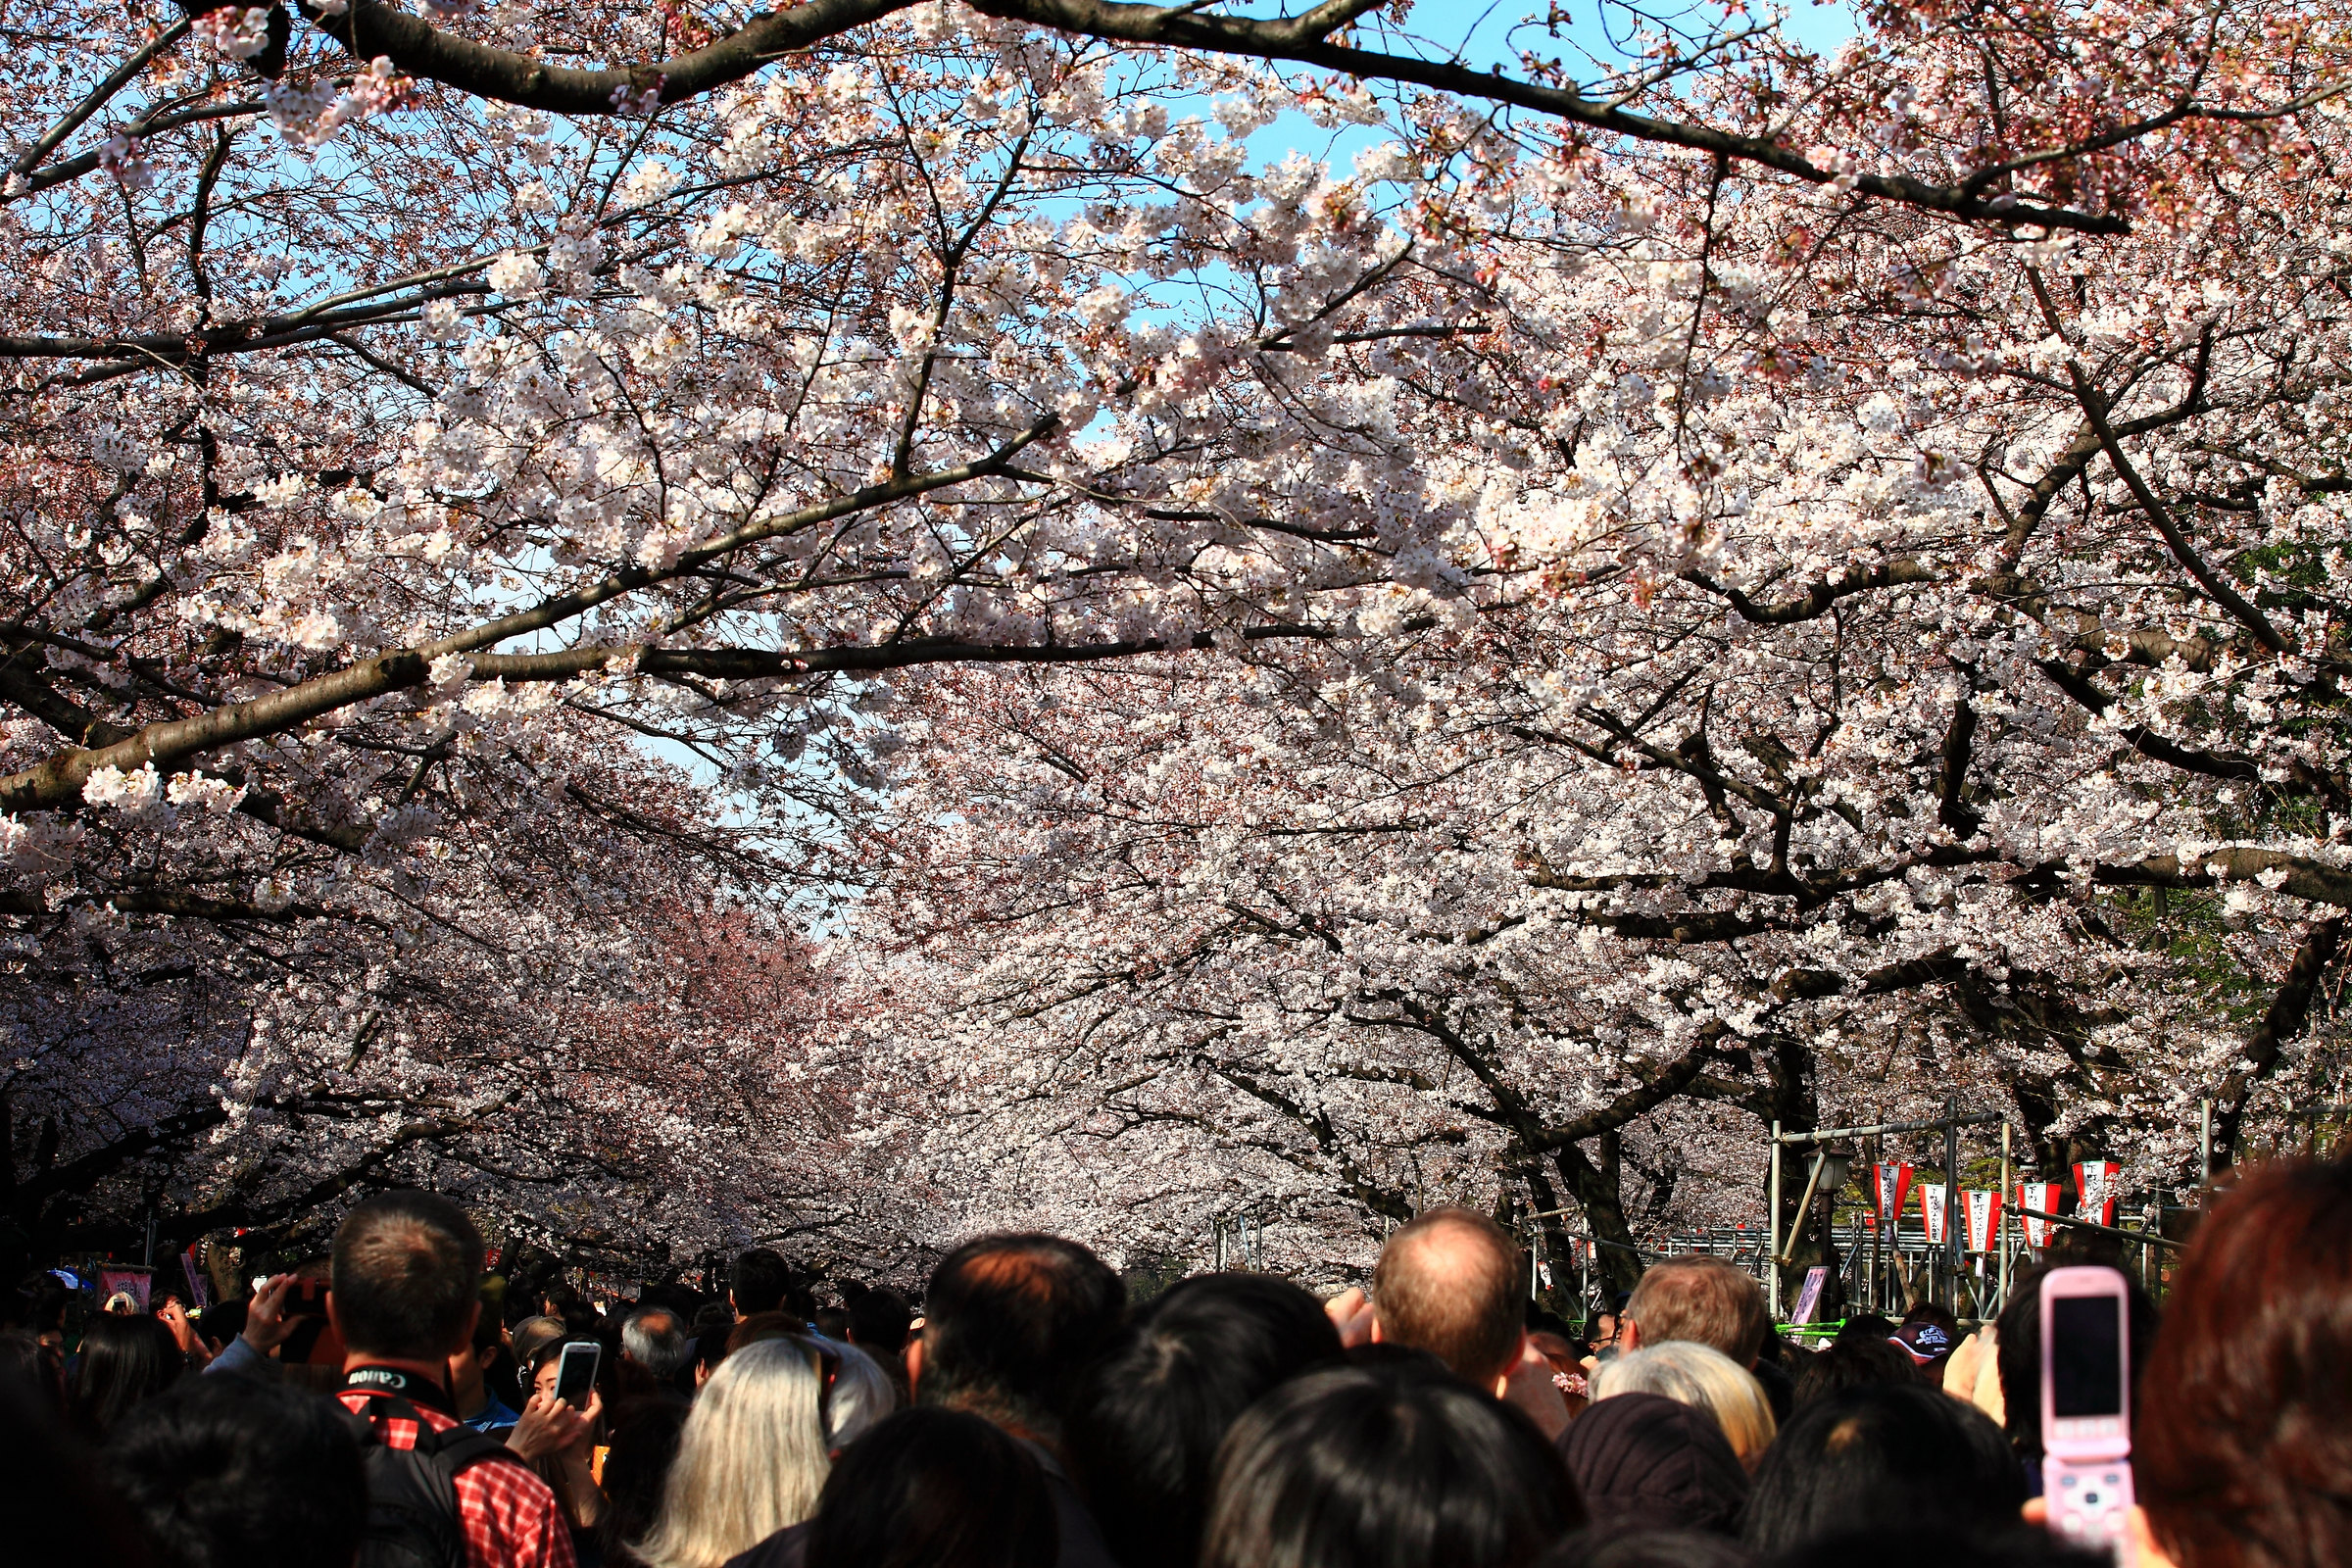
(1704, 1377)
(751, 1460)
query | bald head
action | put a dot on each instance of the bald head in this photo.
(1449, 1283)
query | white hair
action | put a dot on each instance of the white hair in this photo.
(750, 1462)
(862, 1394)
(1704, 1377)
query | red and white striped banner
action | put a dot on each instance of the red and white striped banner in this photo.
(1931, 1198)
(1983, 1211)
(2046, 1196)
(1893, 1186)
(2097, 1180)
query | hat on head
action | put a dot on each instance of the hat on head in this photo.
(1922, 1342)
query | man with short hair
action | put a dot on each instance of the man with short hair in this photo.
(1451, 1283)
(656, 1340)
(477, 1406)
(1009, 1323)
(404, 1297)
(761, 1279)
(1705, 1299)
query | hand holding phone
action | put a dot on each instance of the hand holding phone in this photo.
(575, 1373)
(2087, 1407)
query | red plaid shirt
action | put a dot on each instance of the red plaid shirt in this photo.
(510, 1516)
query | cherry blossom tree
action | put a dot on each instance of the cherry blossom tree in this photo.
(1689, 562)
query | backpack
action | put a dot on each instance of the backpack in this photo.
(412, 1492)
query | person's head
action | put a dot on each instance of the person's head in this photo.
(1700, 1299)
(1648, 1548)
(545, 1368)
(408, 1266)
(1150, 1416)
(710, 1349)
(227, 1472)
(122, 1360)
(1351, 1468)
(1703, 1378)
(860, 1396)
(468, 1368)
(2017, 1339)
(750, 1462)
(1864, 1326)
(759, 1327)
(1848, 1363)
(879, 1320)
(2242, 1450)
(1009, 1323)
(1927, 1346)
(934, 1489)
(1883, 1455)
(654, 1338)
(761, 1279)
(2014, 1545)
(32, 1369)
(1642, 1461)
(645, 1445)
(1451, 1283)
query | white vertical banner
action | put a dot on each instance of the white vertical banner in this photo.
(2100, 1183)
(1930, 1196)
(2043, 1196)
(1984, 1213)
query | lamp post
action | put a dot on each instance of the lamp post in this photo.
(1831, 1168)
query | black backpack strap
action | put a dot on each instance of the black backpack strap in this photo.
(449, 1451)
(461, 1446)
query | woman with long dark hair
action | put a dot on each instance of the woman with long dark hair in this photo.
(124, 1358)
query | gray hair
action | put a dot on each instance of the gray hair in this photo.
(751, 1460)
(655, 1339)
(862, 1394)
(1704, 1377)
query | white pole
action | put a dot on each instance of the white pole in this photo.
(2006, 1205)
(1772, 1251)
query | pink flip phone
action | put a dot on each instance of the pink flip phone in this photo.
(2086, 1407)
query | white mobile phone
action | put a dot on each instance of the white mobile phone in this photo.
(575, 1373)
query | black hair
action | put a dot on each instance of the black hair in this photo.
(224, 1322)
(123, 1360)
(878, 1321)
(1010, 1321)
(2014, 1545)
(1648, 1548)
(54, 1504)
(934, 1489)
(1866, 1326)
(581, 1321)
(2017, 1350)
(226, 1472)
(1394, 1468)
(32, 1369)
(761, 1280)
(1150, 1415)
(645, 1445)
(1882, 1455)
(39, 1301)
(408, 1269)
(1849, 1363)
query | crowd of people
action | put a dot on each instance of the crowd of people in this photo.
(388, 1408)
